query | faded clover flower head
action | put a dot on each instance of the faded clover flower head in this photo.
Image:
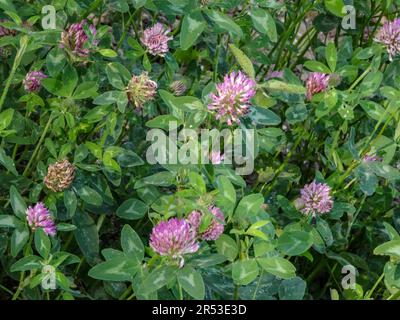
(315, 198)
(372, 157)
(4, 51)
(60, 176)
(216, 157)
(155, 39)
(174, 238)
(389, 36)
(214, 230)
(39, 217)
(316, 83)
(232, 98)
(141, 89)
(178, 87)
(76, 40)
(33, 81)
(273, 73)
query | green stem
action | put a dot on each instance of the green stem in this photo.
(358, 80)
(180, 291)
(215, 75)
(282, 166)
(128, 23)
(6, 290)
(355, 217)
(394, 296)
(23, 45)
(368, 296)
(22, 276)
(26, 171)
(125, 293)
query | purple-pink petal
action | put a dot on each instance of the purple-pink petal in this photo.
(39, 217)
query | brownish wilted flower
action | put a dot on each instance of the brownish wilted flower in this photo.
(178, 87)
(60, 176)
(141, 89)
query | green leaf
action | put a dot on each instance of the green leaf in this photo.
(109, 53)
(96, 114)
(178, 104)
(85, 90)
(249, 206)
(9, 221)
(86, 236)
(65, 227)
(5, 118)
(264, 23)
(294, 243)
(107, 98)
(17, 203)
(27, 263)
(316, 66)
(392, 232)
(162, 121)
(192, 282)
(371, 83)
(192, 26)
(244, 272)
(331, 56)
(225, 23)
(278, 266)
(55, 61)
(335, 7)
(55, 87)
(132, 209)
(296, 113)
(390, 248)
(374, 110)
(19, 238)
(227, 247)
(42, 243)
(157, 279)
(226, 198)
(69, 80)
(162, 179)
(138, 3)
(197, 182)
(243, 61)
(117, 75)
(70, 202)
(264, 117)
(131, 243)
(292, 289)
(276, 85)
(7, 162)
(383, 170)
(90, 196)
(116, 269)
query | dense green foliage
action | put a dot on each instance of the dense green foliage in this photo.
(270, 249)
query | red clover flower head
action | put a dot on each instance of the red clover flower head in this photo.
(316, 198)
(33, 81)
(76, 40)
(39, 217)
(155, 39)
(215, 228)
(316, 82)
(232, 98)
(389, 36)
(174, 238)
